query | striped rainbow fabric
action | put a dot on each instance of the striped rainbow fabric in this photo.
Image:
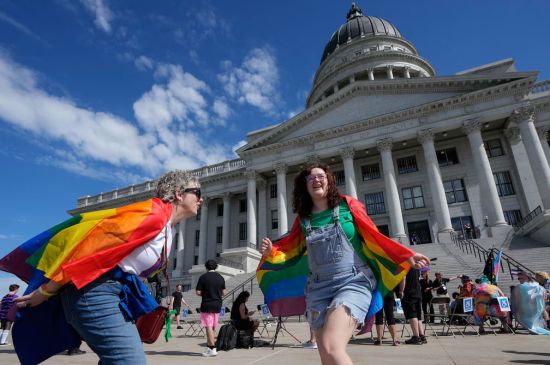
(87, 245)
(283, 274)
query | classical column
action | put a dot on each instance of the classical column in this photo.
(524, 169)
(426, 138)
(389, 72)
(543, 135)
(281, 169)
(392, 194)
(226, 229)
(407, 72)
(203, 235)
(262, 208)
(179, 249)
(370, 72)
(524, 117)
(349, 171)
(251, 206)
(490, 201)
(352, 79)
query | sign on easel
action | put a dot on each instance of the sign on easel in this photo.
(265, 310)
(504, 304)
(398, 306)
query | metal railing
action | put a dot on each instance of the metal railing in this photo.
(528, 218)
(229, 263)
(471, 247)
(239, 288)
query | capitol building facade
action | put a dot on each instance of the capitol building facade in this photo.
(426, 154)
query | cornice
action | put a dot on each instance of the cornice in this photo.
(515, 87)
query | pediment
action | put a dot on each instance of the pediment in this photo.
(370, 99)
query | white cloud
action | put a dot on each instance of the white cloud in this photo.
(221, 108)
(255, 82)
(292, 113)
(81, 138)
(144, 63)
(102, 12)
(238, 145)
(3, 236)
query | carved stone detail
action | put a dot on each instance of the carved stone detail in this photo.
(347, 152)
(280, 168)
(543, 132)
(384, 144)
(513, 135)
(425, 135)
(250, 174)
(471, 125)
(524, 113)
(261, 183)
(312, 159)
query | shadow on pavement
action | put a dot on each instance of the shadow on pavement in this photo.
(174, 353)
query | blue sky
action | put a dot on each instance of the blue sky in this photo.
(98, 94)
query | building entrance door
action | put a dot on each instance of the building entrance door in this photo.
(464, 227)
(419, 232)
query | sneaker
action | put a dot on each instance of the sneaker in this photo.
(5, 344)
(310, 345)
(179, 327)
(423, 339)
(414, 340)
(76, 351)
(210, 352)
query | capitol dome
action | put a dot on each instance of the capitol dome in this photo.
(365, 48)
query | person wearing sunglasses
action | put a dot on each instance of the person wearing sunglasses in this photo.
(91, 268)
(336, 248)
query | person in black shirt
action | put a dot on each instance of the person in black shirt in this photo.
(387, 309)
(412, 306)
(211, 288)
(426, 286)
(240, 315)
(177, 300)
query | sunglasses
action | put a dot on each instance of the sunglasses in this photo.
(195, 191)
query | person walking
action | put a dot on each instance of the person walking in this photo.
(337, 236)
(8, 301)
(426, 286)
(176, 303)
(412, 306)
(91, 267)
(211, 288)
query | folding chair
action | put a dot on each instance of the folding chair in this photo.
(265, 319)
(490, 318)
(193, 321)
(443, 302)
(464, 318)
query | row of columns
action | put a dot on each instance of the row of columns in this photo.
(537, 154)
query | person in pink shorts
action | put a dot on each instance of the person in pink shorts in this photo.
(211, 288)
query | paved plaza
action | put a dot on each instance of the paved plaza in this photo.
(486, 349)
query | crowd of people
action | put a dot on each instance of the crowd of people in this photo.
(352, 274)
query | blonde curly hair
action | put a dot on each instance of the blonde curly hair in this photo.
(175, 181)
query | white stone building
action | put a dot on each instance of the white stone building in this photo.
(427, 154)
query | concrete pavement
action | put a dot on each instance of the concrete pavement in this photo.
(487, 349)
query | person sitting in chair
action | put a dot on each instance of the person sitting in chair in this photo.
(486, 304)
(240, 315)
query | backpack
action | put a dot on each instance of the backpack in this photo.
(245, 339)
(227, 338)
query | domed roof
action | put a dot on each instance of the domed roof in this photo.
(357, 26)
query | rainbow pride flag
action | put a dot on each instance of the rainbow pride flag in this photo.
(283, 274)
(87, 245)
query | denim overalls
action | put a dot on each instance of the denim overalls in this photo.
(337, 274)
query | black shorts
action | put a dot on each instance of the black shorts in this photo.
(244, 324)
(389, 302)
(178, 309)
(412, 309)
(5, 324)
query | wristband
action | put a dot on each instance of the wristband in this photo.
(44, 292)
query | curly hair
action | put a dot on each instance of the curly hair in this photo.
(174, 181)
(301, 200)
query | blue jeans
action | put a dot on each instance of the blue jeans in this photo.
(94, 313)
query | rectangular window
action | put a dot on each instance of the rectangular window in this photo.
(370, 172)
(340, 178)
(375, 203)
(197, 237)
(175, 263)
(219, 234)
(275, 219)
(493, 148)
(220, 210)
(198, 216)
(384, 229)
(447, 157)
(196, 260)
(455, 191)
(242, 205)
(242, 231)
(407, 165)
(512, 217)
(273, 191)
(413, 198)
(503, 183)
(373, 48)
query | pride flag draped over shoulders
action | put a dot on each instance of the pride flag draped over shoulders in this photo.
(87, 245)
(283, 274)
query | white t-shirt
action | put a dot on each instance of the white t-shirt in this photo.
(148, 257)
